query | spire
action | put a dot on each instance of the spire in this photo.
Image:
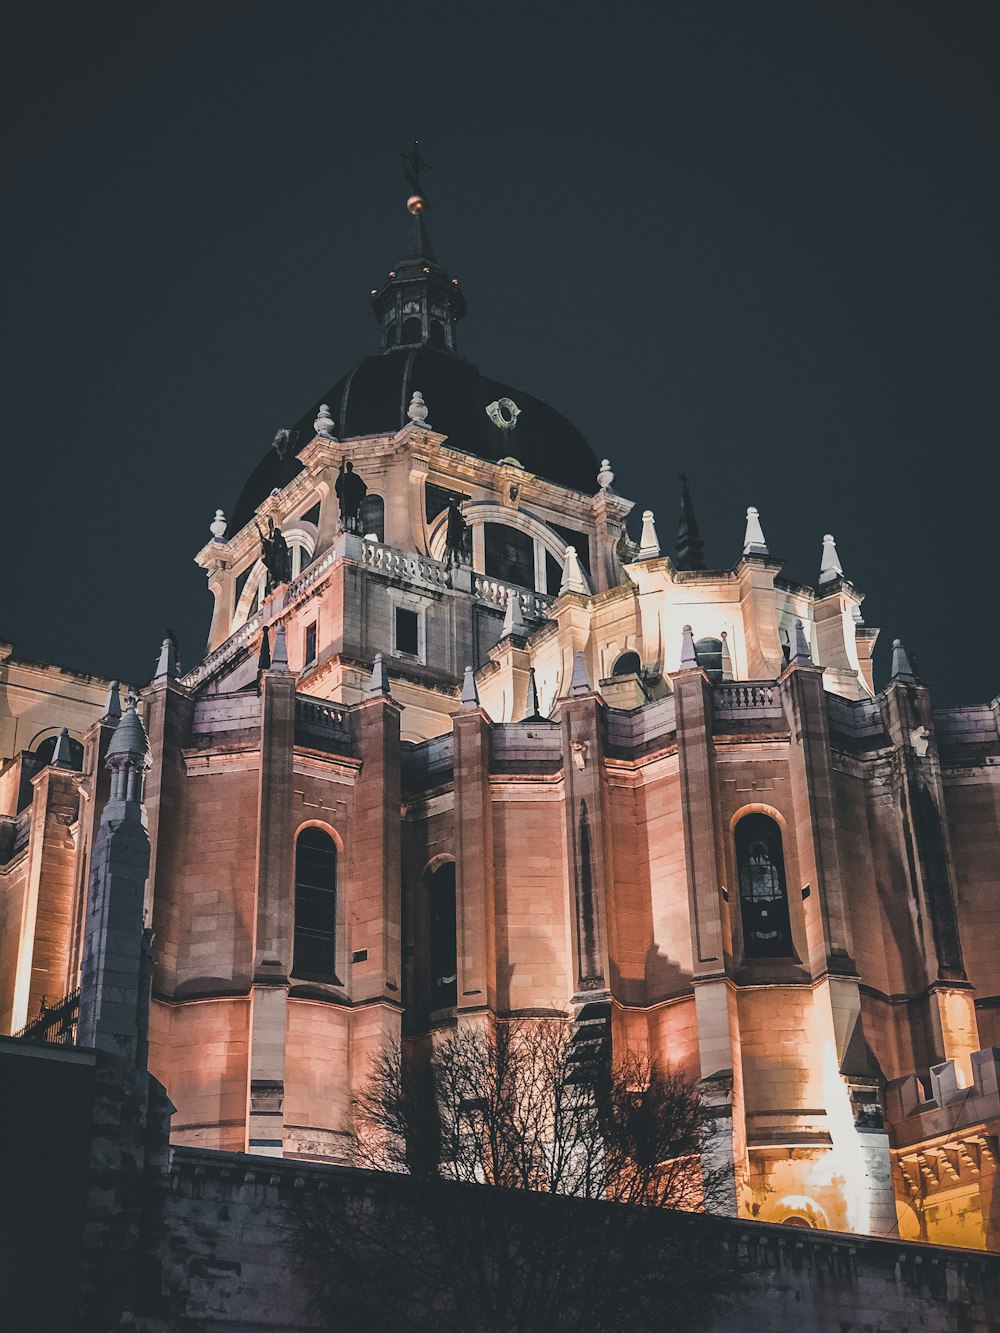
(830, 567)
(113, 708)
(901, 668)
(419, 303)
(753, 539)
(534, 713)
(279, 656)
(689, 658)
(580, 682)
(689, 547)
(727, 660)
(378, 685)
(470, 693)
(800, 651)
(572, 577)
(264, 656)
(514, 621)
(129, 745)
(168, 667)
(649, 543)
(61, 756)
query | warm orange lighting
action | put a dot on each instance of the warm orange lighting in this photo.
(416, 203)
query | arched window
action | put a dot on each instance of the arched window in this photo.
(315, 946)
(709, 655)
(509, 554)
(411, 330)
(372, 516)
(767, 931)
(443, 937)
(628, 664)
(436, 335)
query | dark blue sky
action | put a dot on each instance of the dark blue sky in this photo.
(754, 242)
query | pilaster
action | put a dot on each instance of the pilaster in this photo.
(925, 850)
(756, 575)
(473, 832)
(828, 930)
(273, 922)
(588, 839)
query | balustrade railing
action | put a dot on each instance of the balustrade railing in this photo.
(404, 565)
(491, 590)
(748, 698)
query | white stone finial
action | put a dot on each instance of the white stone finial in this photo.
(649, 543)
(217, 527)
(113, 708)
(605, 477)
(572, 575)
(167, 668)
(279, 653)
(417, 411)
(830, 567)
(514, 621)
(580, 681)
(470, 693)
(753, 539)
(378, 685)
(901, 668)
(689, 658)
(801, 655)
(323, 425)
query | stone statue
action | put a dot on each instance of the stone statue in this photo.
(454, 541)
(275, 555)
(351, 491)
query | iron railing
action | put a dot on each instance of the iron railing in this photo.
(54, 1023)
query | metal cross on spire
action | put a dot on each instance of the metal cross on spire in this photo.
(415, 164)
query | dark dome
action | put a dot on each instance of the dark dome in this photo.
(372, 400)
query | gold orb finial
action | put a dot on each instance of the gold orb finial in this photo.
(416, 203)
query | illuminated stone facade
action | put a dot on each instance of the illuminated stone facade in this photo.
(666, 802)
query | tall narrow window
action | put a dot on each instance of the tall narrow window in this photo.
(310, 646)
(444, 943)
(315, 952)
(709, 655)
(372, 517)
(767, 931)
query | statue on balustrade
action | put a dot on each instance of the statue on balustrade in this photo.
(351, 492)
(275, 555)
(455, 535)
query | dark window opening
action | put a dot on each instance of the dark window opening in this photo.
(310, 648)
(241, 584)
(407, 631)
(45, 751)
(315, 946)
(627, 665)
(436, 336)
(411, 330)
(372, 517)
(579, 541)
(509, 555)
(709, 655)
(311, 515)
(444, 941)
(786, 647)
(767, 931)
(553, 574)
(436, 499)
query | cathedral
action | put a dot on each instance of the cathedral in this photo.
(470, 739)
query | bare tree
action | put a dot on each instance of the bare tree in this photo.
(512, 1105)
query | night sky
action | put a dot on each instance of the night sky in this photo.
(756, 242)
